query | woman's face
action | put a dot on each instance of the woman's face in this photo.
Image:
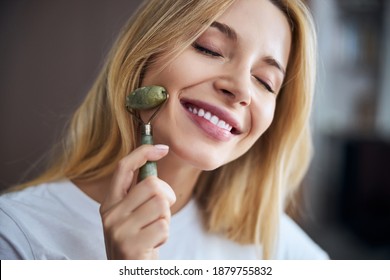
(223, 88)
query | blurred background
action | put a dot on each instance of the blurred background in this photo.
(51, 52)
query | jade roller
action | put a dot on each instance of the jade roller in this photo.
(146, 98)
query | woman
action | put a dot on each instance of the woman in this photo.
(233, 143)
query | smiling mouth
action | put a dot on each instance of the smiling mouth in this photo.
(212, 118)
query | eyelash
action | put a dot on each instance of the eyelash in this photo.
(266, 85)
(209, 52)
(205, 51)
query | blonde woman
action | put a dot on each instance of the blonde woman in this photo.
(232, 143)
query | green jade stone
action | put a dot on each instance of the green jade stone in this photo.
(145, 98)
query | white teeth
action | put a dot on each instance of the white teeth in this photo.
(212, 118)
(221, 124)
(207, 116)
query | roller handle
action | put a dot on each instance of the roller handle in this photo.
(150, 167)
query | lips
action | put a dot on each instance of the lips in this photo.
(215, 121)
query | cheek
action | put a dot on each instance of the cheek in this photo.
(263, 115)
(184, 71)
(260, 118)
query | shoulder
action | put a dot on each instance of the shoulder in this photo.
(294, 243)
(48, 201)
(14, 240)
(19, 215)
(42, 221)
(29, 194)
(31, 199)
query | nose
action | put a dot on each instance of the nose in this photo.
(234, 83)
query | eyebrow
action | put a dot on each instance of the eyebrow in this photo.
(225, 29)
(231, 34)
(273, 62)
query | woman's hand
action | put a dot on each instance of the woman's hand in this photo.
(136, 216)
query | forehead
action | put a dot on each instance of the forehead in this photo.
(259, 23)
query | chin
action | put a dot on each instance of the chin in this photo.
(200, 158)
(194, 149)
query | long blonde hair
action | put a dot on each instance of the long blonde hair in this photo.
(242, 199)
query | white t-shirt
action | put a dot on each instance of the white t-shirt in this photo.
(58, 221)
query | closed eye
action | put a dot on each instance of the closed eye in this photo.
(265, 85)
(205, 51)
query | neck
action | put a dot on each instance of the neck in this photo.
(180, 176)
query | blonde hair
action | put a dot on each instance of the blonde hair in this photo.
(242, 199)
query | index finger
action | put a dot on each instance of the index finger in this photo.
(124, 173)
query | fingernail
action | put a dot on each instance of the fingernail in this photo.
(161, 147)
